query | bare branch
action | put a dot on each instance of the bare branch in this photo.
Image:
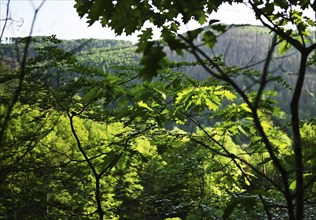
(6, 20)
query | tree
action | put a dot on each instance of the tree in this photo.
(292, 177)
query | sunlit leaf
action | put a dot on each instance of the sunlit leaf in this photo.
(144, 105)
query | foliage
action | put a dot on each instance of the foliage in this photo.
(82, 137)
(259, 115)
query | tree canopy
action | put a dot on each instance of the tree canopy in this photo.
(286, 19)
(188, 126)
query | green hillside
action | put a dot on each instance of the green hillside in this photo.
(242, 46)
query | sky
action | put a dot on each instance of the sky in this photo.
(59, 17)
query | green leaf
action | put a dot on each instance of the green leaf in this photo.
(152, 61)
(82, 7)
(193, 34)
(305, 3)
(174, 26)
(210, 104)
(110, 160)
(219, 27)
(95, 10)
(229, 95)
(247, 181)
(269, 8)
(184, 98)
(293, 185)
(92, 94)
(173, 42)
(282, 3)
(245, 107)
(163, 95)
(301, 26)
(144, 105)
(144, 38)
(209, 39)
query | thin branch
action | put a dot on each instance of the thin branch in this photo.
(6, 20)
(197, 52)
(264, 61)
(275, 28)
(233, 156)
(295, 121)
(21, 77)
(91, 166)
(227, 154)
(265, 207)
(223, 76)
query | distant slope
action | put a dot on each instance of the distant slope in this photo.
(108, 58)
(240, 46)
(104, 54)
(244, 46)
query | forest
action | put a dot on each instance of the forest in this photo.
(218, 122)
